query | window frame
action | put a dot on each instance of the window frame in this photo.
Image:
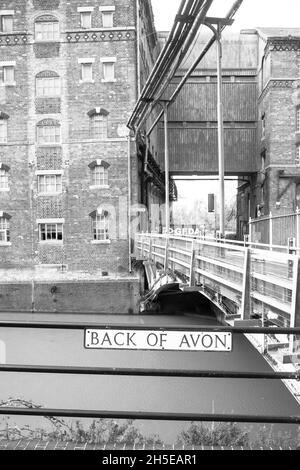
(56, 134)
(100, 176)
(102, 230)
(83, 63)
(86, 14)
(4, 177)
(3, 125)
(3, 17)
(297, 157)
(58, 185)
(6, 66)
(39, 85)
(49, 225)
(5, 230)
(107, 13)
(103, 130)
(298, 119)
(108, 61)
(55, 36)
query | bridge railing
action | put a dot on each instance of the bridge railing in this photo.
(255, 281)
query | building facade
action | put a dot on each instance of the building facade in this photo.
(70, 73)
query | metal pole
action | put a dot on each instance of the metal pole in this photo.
(220, 132)
(167, 171)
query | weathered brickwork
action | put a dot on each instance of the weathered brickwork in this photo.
(69, 154)
(273, 189)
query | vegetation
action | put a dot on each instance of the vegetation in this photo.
(121, 433)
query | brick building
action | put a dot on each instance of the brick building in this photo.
(274, 187)
(70, 73)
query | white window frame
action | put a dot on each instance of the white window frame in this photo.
(100, 228)
(4, 231)
(55, 137)
(108, 61)
(4, 180)
(83, 11)
(298, 119)
(43, 84)
(47, 35)
(46, 226)
(107, 16)
(103, 134)
(297, 159)
(100, 177)
(5, 65)
(3, 131)
(4, 15)
(83, 63)
(43, 186)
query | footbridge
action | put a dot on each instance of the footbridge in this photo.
(246, 282)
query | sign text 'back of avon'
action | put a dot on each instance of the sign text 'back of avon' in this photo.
(157, 340)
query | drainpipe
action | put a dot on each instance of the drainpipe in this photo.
(138, 38)
(129, 202)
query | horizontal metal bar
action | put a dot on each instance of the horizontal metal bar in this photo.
(210, 374)
(154, 416)
(83, 326)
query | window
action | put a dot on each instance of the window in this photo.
(86, 70)
(49, 184)
(298, 154)
(4, 230)
(100, 227)
(47, 84)
(108, 71)
(6, 23)
(107, 16)
(3, 131)
(86, 19)
(3, 179)
(48, 132)
(99, 127)
(298, 119)
(100, 176)
(47, 28)
(50, 232)
(263, 126)
(108, 65)
(7, 73)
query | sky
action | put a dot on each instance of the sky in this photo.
(252, 13)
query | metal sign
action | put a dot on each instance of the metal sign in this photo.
(158, 340)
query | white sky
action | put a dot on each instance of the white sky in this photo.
(252, 13)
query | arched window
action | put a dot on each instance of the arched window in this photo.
(46, 28)
(47, 84)
(48, 132)
(3, 127)
(4, 184)
(99, 172)
(98, 123)
(100, 225)
(4, 227)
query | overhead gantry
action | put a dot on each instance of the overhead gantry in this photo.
(158, 93)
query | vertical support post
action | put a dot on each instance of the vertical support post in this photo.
(150, 248)
(167, 252)
(294, 321)
(250, 231)
(298, 228)
(220, 131)
(271, 232)
(245, 307)
(167, 181)
(192, 272)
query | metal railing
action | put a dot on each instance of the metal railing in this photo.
(138, 415)
(276, 229)
(261, 282)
